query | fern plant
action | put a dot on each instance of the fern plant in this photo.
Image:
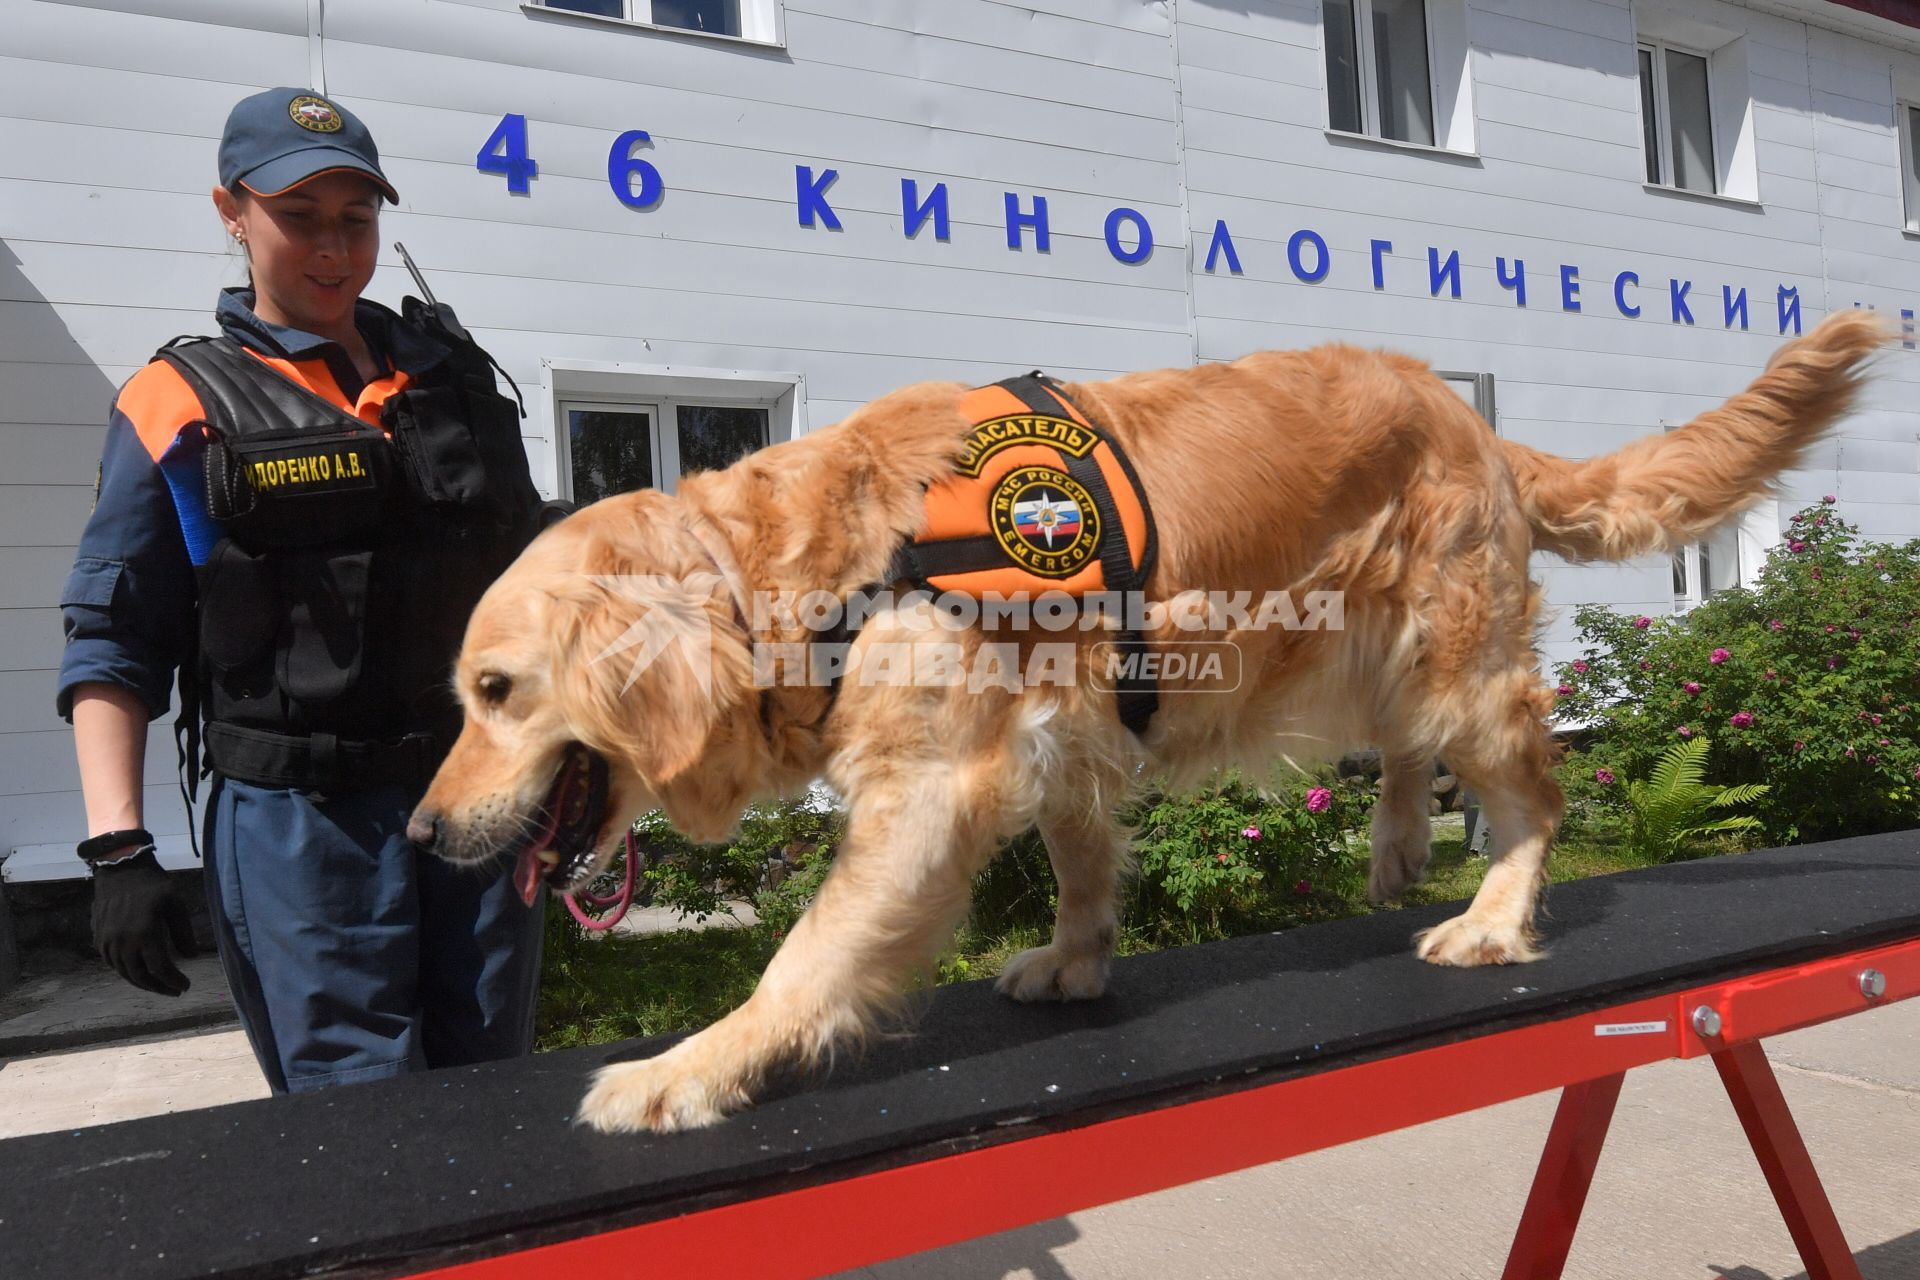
(1677, 804)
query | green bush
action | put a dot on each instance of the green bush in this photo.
(1222, 858)
(1809, 683)
(1230, 857)
(699, 880)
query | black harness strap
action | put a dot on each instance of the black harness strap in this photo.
(1138, 695)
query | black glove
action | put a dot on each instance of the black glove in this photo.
(135, 911)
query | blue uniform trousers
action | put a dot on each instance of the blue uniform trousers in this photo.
(351, 955)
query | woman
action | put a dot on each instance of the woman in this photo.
(298, 516)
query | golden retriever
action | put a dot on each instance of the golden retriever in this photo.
(1333, 469)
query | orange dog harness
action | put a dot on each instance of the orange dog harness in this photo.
(1040, 501)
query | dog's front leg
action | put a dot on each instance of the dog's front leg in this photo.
(899, 884)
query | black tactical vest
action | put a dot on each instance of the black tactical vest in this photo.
(332, 608)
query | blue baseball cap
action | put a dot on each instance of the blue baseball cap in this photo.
(276, 140)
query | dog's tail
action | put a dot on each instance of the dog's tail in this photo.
(1667, 490)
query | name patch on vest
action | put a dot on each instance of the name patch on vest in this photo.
(992, 436)
(1045, 520)
(309, 469)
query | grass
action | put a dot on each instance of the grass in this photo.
(596, 990)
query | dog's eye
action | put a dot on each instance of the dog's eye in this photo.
(494, 688)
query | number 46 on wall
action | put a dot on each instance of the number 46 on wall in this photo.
(505, 153)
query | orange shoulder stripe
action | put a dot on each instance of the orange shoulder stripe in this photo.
(158, 402)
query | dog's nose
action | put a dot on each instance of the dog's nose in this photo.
(423, 829)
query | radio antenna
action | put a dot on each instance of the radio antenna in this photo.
(418, 279)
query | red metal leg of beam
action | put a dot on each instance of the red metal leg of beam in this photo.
(1560, 1185)
(1783, 1157)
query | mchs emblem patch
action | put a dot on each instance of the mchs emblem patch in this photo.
(1046, 521)
(316, 114)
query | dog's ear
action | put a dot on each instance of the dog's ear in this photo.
(648, 661)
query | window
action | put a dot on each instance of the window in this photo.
(618, 426)
(615, 447)
(1379, 79)
(1705, 568)
(1910, 160)
(1676, 119)
(1475, 388)
(756, 20)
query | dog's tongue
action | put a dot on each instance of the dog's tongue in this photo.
(528, 868)
(526, 874)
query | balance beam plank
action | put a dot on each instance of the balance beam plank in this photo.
(480, 1172)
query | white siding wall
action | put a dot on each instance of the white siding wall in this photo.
(1559, 179)
(110, 111)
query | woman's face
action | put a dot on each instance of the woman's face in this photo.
(312, 249)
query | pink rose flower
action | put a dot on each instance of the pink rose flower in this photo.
(1771, 675)
(1605, 776)
(1684, 732)
(1916, 773)
(1741, 720)
(1319, 800)
(1251, 833)
(1719, 656)
(1832, 663)
(1563, 689)
(1799, 746)
(1831, 628)
(1827, 498)
(1642, 622)
(1648, 666)
(1691, 686)
(1796, 546)
(1777, 625)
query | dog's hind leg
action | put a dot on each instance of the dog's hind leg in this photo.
(1402, 833)
(1088, 851)
(1507, 756)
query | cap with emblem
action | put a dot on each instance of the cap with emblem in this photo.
(276, 140)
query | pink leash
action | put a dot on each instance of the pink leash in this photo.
(619, 900)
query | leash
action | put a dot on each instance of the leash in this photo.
(619, 900)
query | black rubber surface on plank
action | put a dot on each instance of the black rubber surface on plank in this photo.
(485, 1160)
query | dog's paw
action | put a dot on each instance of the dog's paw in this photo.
(1050, 973)
(660, 1095)
(1467, 943)
(1399, 861)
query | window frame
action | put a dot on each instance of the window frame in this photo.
(563, 434)
(1904, 110)
(1663, 113)
(621, 387)
(1366, 66)
(665, 411)
(765, 19)
(1482, 400)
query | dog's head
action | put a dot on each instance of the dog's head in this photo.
(605, 674)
